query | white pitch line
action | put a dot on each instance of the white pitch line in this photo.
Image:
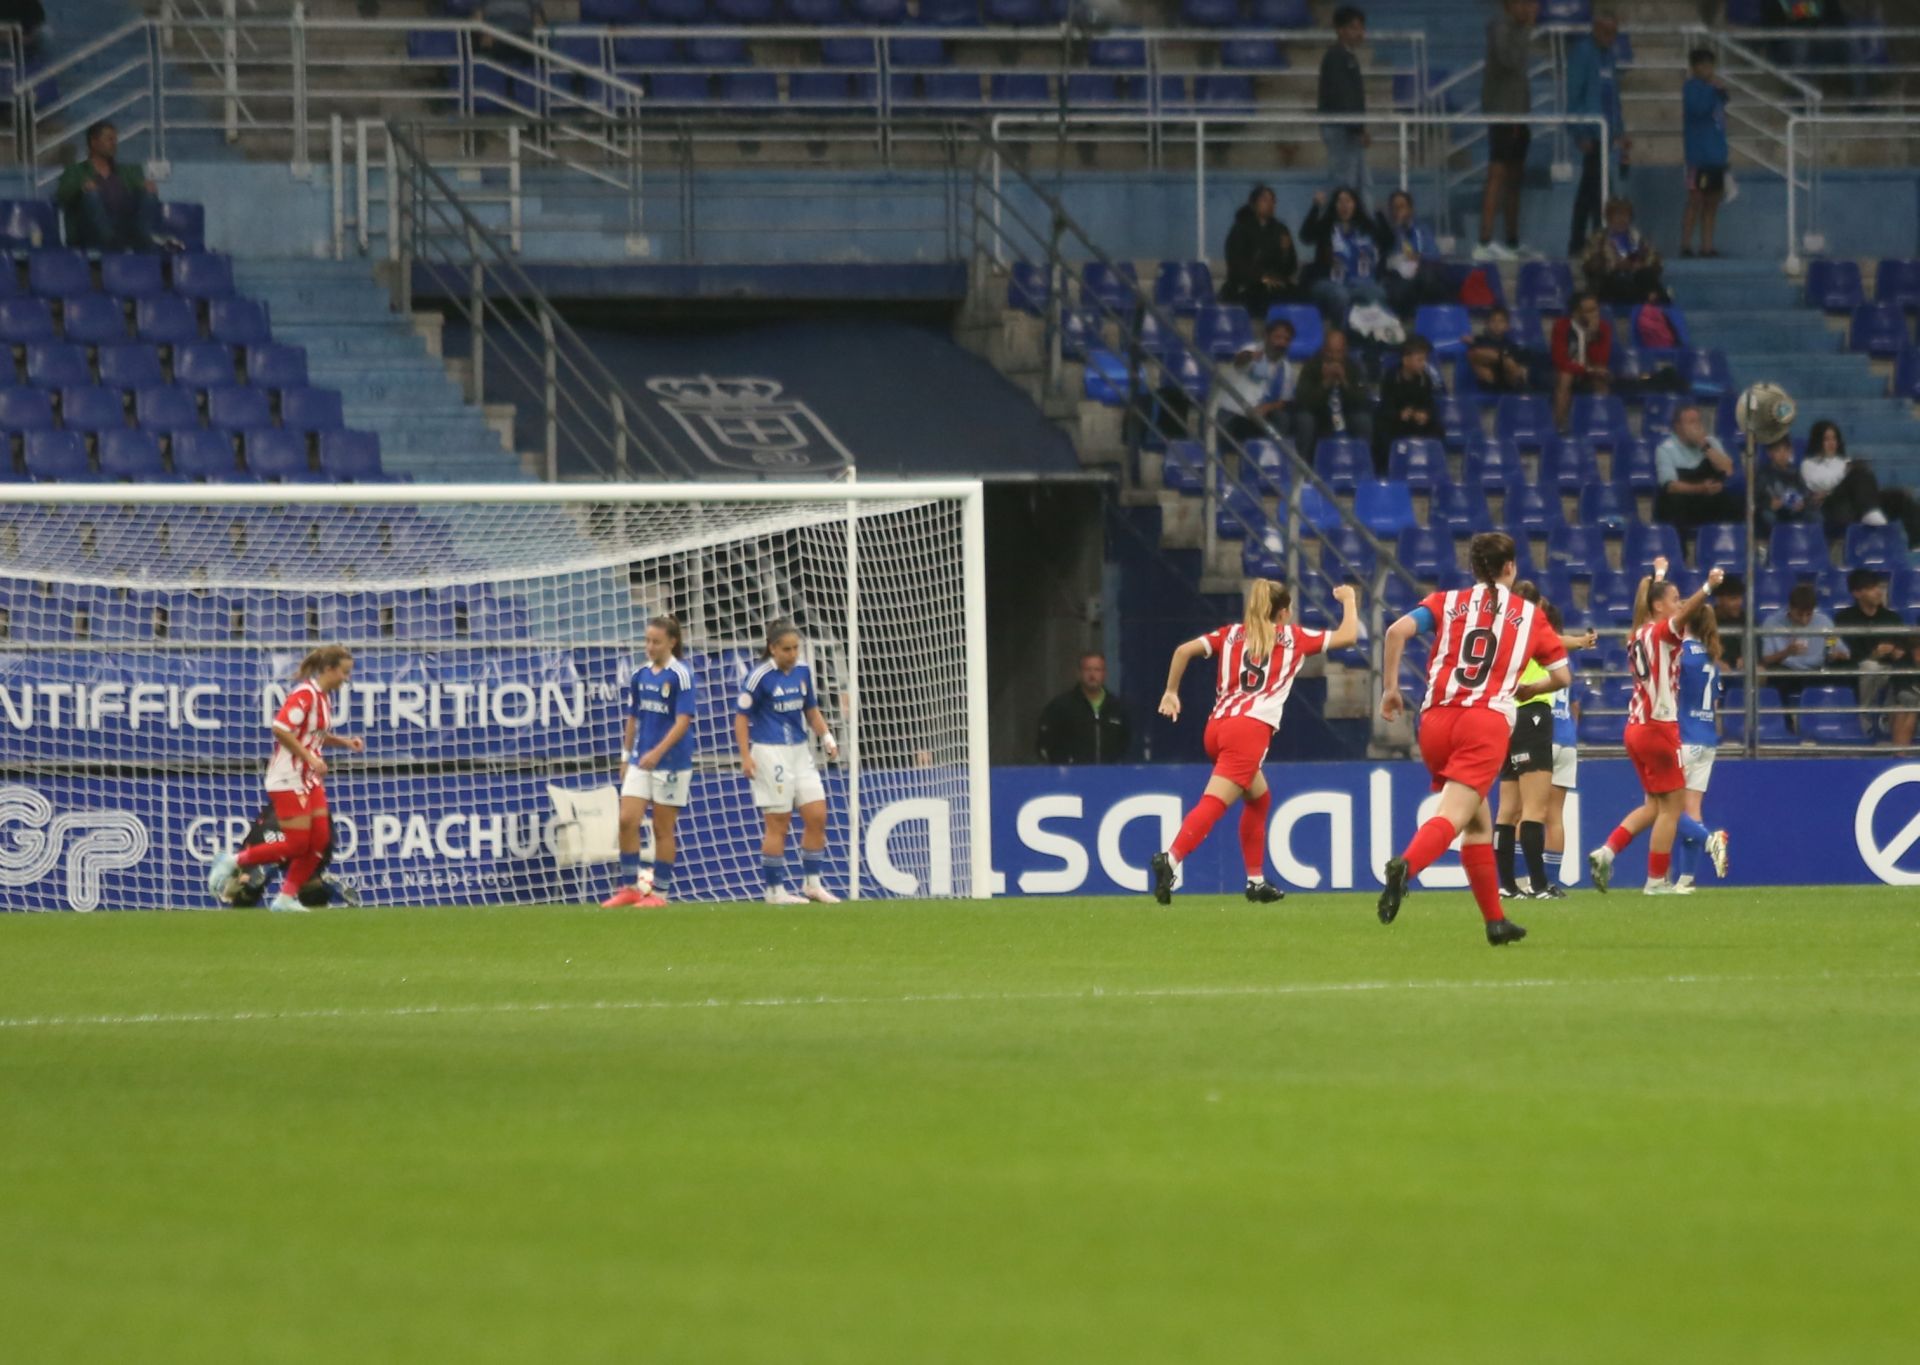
(1089, 994)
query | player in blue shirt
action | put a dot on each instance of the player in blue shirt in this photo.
(656, 745)
(777, 707)
(1699, 701)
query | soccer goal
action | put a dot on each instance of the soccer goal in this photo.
(148, 633)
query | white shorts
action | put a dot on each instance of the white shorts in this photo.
(784, 777)
(1696, 765)
(1566, 765)
(662, 786)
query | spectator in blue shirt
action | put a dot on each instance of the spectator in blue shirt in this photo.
(1704, 103)
(1593, 87)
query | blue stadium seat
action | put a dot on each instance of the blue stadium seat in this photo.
(1343, 462)
(1154, 337)
(763, 11)
(1027, 284)
(610, 11)
(277, 454)
(1183, 467)
(1645, 543)
(274, 366)
(1081, 333)
(1530, 511)
(1107, 379)
(1578, 549)
(1096, 90)
(1707, 373)
(93, 319)
(1344, 555)
(1111, 287)
(1601, 422)
(201, 454)
(1419, 461)
(1555, 584)
(202, 275)
(185, 222)
(1458, 421)
(755, 88)
(1280, 14)
(1220, 94)
(1238, 514)
(235, 409)
(1526, 419)
(1876, 547)
(1014, 13)
(239, 322)
(1821, 722)
(1319, 514)
(92, 409)
(1183, 368)
(26, 224)
(1722, 545)
(1797, 546)
(58, 365)
(350, 455)
(1656, 415)
(58, 457)
(166, 320)
(1021, 89)
(1118, 52)
(1611, 597)
(425, 45)
(1462, 508)
(1384, 506)
(1877, 329)
(1493, 462)
(1568, 465)
(1906, 375)
(56, 272)
(1733, 716)
(1252, 54)
(25, 410)
(162, 407)
(1211, 13)
(1770, 590)
(204, 365)
(847, 52)
(1526, 330)
(1834, 286)
(634, 56)
(1264, 555)
(1221, 330)
(820, 88)
(131, 455)
(1610, 728)
(1424, 553)
(1183, 287)
(1545, 286)
(1897, 282)
(1834, 595)
(1447, 326)
(1309, 331)
(25, 322)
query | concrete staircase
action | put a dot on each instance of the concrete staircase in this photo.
(387, 367)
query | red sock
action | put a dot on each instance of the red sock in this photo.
(1657, 866)
(1431, 840)
(1199, 820)
(1253, 834)
(1619, 839)
(1484, 878)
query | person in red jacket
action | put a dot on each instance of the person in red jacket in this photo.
(1582, 348)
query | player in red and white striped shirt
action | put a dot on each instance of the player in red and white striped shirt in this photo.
(1483, 638)
(1255, 663)
(301, 728)
(1653, 727)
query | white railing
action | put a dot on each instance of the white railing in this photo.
(1804, 139)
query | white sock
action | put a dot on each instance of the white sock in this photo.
(1173, 858)
(813, 882)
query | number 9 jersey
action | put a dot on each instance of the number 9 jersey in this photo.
(1483, 638)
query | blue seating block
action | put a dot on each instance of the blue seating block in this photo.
(130, 365)
(1384, 506)
(55, 272)
(1834, 286)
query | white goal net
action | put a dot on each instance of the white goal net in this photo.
(147, 636)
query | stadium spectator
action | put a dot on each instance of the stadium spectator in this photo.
(1263, 379)
(1086, 723)
(1593, 87)
(108, 204)
(1347, 250)
(1842, 490)
(1506, 88)
(1331, 398)
(1730, 611)
(1692, 469)
(1885, 661)
(1498, 363)
(1413, 274)
(1790, 658)
(1263, 267)
(1704, 113)
(1782, 493)
(1622, 265)
(1582, 348)
(1343, 90)
(1409, 400)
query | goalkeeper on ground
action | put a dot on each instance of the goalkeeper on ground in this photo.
(247, 887)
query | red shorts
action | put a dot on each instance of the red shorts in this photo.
(1238, 746)
(1654, 747)
(1465, 744)
(296, 805)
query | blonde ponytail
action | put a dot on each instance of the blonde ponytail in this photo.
(1267, 601)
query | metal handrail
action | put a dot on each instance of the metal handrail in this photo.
(1812, 241)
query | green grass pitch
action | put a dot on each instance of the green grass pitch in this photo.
(1039, 1131)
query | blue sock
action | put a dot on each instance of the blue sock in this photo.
(774, 869)
(1693, 831)
(1685, 854)
(629, 868)
(813, 864)
(662, 875)
(1553, 868)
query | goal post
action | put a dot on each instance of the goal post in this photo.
(148, 632)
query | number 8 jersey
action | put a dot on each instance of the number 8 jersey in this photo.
(1483, 637)
(1259, 690)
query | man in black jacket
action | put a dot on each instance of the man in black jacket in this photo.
(1263, 267)
(1343, 90)
(1409, 401)
(1086, 723)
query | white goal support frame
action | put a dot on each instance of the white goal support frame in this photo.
(59, 542)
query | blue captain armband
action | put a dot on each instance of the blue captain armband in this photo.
(1422, 618)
